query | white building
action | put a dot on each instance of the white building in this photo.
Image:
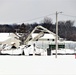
(44, 41)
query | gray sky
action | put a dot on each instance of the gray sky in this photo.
(19, 11)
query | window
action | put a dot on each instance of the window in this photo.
(52, 39)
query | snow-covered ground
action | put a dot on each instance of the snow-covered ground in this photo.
(38, 65)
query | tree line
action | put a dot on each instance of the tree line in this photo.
(66, 29)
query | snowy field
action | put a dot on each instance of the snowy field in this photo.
(38, 65)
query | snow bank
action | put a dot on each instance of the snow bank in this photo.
(35, 65)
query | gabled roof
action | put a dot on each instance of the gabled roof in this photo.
(46, 36)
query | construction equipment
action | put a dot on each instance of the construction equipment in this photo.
(42, 32)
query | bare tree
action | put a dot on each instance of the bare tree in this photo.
(22, 33)
(47, 20)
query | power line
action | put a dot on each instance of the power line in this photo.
(68, 15)
(46, 16)
(38, 17)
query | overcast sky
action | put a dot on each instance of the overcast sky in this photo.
(19, 11)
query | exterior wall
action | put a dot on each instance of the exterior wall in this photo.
(40, 44)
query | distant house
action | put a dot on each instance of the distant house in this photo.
(49, 39)
(44, 41)
(8, 38)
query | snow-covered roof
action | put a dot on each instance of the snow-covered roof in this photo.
(4, 37)
(4, 34)
(68, 41)
(46, 36)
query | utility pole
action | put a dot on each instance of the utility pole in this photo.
(57, 32)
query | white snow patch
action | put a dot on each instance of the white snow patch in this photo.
(38, 65)
(4, 36)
